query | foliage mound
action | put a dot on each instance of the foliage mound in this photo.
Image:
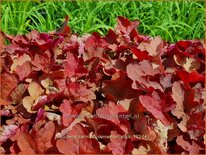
(119, 93)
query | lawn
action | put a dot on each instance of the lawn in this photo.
(171, 20)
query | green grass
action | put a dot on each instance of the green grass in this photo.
(171, 20)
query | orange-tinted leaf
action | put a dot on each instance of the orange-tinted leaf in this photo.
(35, 90)
(43, 137)
(26, 143)
(8, 83)
(20, 61)
(4, 102)
(28, 103)
(16, 94)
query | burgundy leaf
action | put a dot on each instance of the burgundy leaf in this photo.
(119, 87)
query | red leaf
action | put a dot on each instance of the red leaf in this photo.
(94, 46)
(65, 29)
(192, 77)
(70, 111)
(125, 26)
(187, 48)
(189, 103)
(196, 126)
(40, 115)
(58, 86)
(196, 121)
(141, 125)
(42, 61)
(80, 92)
(141, 72)
(154, 48)
(119, 145)
(144, 68)
(103, 127)
(154, 107)
(111, 36)
(74, 66)
(43, 137)
(141, 55)
(24, 70)
(119, 87)
(110, 112)
(74, 143)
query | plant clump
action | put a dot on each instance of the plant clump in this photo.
(122, 93)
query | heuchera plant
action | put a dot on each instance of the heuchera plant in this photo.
(122, 93)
